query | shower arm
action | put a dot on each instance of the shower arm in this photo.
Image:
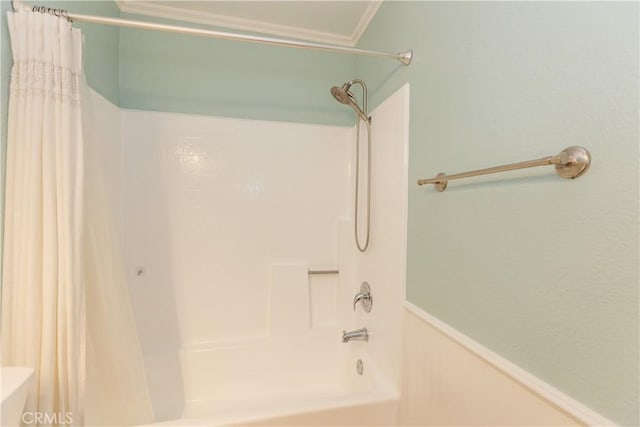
(364, 94)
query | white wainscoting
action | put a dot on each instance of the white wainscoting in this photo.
(449, 379)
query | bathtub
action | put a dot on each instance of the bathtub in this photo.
(275, 381)
(334, 408)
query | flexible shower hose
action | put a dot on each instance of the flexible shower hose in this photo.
(363, 248)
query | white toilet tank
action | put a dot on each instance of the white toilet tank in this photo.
(16, 383)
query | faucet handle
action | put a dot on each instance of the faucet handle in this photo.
(364, 297)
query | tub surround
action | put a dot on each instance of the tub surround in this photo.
(220, 229)
(215, 184)
(383, 266)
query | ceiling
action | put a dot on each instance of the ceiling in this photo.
(332, 22)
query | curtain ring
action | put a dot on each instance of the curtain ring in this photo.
(56, 12)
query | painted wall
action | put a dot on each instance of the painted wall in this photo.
(542, 270)
(178, 73)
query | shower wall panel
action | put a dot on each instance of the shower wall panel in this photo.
(211, 204)
(383, 266)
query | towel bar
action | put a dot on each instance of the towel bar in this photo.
(571, 163)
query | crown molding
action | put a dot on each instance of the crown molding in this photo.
(158, 10)
(365, 20)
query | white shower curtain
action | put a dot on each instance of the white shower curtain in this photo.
(43, 294)
(116, 391)
(60, 246)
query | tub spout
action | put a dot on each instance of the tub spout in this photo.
(357, 335)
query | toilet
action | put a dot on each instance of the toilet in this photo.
(16, 383)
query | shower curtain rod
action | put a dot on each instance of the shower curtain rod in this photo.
(402, 57)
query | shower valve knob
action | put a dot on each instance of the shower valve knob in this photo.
(364, 298)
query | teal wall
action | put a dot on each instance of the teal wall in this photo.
(542, 270)
(186, 74)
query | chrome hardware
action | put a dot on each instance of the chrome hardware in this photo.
(344, 96)
(364, 297)
(357, 335)
(322, 272)
(571, 163)
(403, 57)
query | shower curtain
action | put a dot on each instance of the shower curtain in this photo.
(116, 391)
(60, 254)
(43, 309)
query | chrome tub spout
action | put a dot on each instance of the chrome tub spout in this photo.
(357, 335)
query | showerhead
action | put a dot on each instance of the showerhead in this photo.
(344, 96)
(341, 94)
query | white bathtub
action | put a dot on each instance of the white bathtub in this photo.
(333, 408)
(274, 381)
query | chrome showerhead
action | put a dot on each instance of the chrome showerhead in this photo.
(344, 96)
